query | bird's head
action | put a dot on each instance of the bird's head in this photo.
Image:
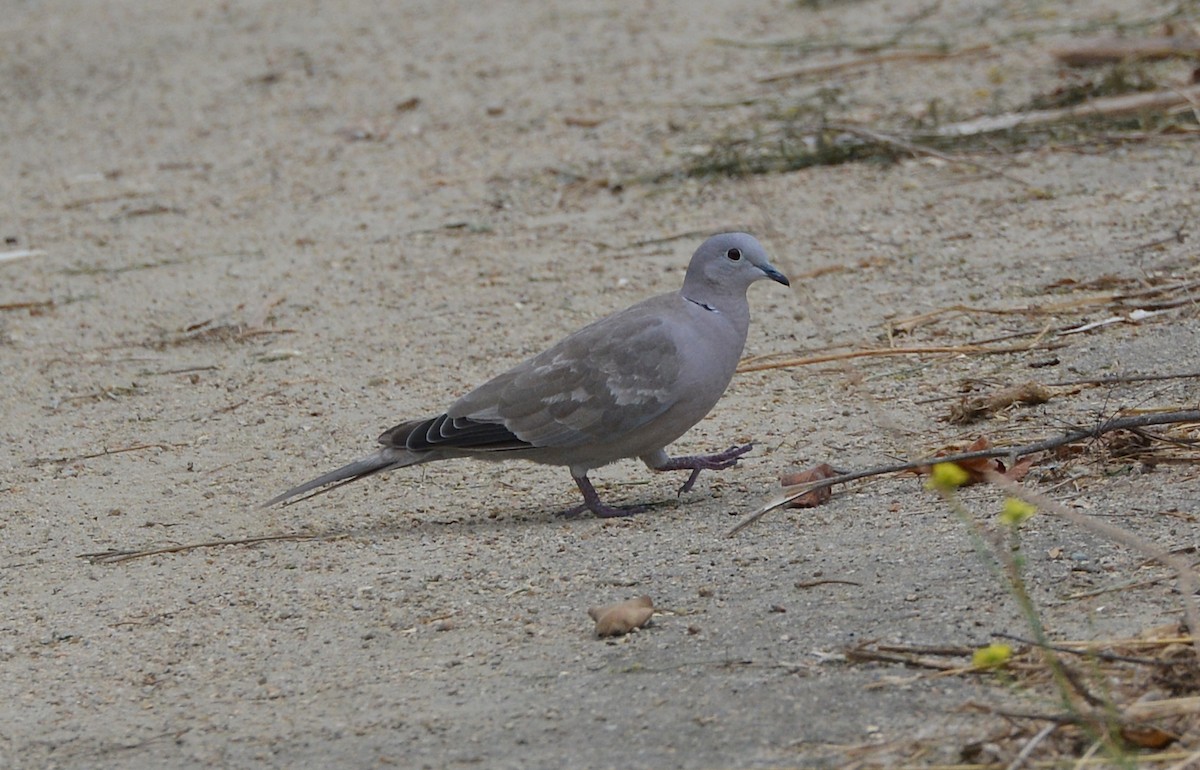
(725, 265)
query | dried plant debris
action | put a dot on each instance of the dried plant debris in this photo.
(1114, 81)
(1113, 700)
(981, 462)
(978, 407)
(1107, 50)
(1129, 301)
(1173, 444)
(620, 619)
(256, 323)
(1127, 94)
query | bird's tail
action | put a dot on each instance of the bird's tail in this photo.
(383, 460)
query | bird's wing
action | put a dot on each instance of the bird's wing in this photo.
(445, 432)
(600, 383)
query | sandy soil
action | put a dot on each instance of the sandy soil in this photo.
(263, 235)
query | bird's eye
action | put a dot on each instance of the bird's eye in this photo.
(734, 254)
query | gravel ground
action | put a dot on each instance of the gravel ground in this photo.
(262, 233)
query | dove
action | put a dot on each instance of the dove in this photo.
(625, 386)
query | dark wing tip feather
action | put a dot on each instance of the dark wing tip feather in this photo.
(445, 432)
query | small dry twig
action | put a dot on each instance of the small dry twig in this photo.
(1086, 53)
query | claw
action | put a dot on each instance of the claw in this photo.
(696, 463)
(691, 482)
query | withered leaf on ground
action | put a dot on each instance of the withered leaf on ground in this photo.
(977, 469)
(1148, 736)
(807, 476)
(619, 619)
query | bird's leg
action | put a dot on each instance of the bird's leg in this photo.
(591, 502)
(697, 463)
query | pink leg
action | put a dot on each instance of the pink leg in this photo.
(591, 502)
(697, 463)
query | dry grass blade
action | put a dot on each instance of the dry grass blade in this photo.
(1032, 744)
(114, 557)
(1110, 106)
(9, 256)
(103, 453)
(1086, 53)
(822, 68)
(866, 653)
(34, 307)
(908, 351)
(1116, 299)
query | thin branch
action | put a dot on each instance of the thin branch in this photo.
(1013, 453)
(1086, 653)
(1115, 379)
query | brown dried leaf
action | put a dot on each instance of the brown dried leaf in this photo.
(978, 468)
(619, 619)
(1147, 736)
(815, 497)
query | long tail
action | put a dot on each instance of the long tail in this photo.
(383, 460)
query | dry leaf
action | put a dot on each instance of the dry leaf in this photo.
(1147, 736)
(815, 497)
(977, 469)
(620, 619)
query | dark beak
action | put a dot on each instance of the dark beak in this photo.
(775, 275)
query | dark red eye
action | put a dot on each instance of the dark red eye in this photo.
(734, 254)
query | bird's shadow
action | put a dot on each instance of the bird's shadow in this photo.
(391, 525)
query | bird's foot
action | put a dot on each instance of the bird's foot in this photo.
(697, 463)
(591, 502)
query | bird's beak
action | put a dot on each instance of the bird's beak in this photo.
(775, 275)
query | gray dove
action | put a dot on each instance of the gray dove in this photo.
(624, 386)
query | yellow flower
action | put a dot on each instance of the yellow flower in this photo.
(947, 476)
(992, 656)
(1016, 512)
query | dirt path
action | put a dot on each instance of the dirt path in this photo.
(262, 236)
